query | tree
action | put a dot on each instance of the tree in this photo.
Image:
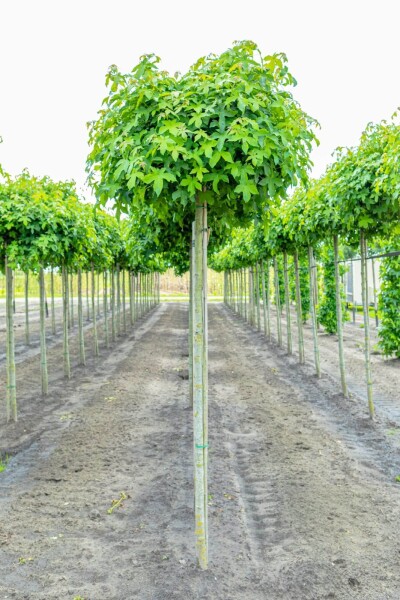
(226, 137)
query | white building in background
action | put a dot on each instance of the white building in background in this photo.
(352, 280)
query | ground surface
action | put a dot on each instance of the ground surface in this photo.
(303, 502)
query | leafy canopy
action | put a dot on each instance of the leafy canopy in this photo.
(228, 131)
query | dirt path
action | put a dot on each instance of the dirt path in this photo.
(303, 503)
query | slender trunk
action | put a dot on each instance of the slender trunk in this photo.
(251, 299)
(137, 301)
(95, 338)
(113, 327)
(67, 298)
(53, 306)
(191, 293)
(367, 350)
(205, 370)
(264, 299)
(98, 294)
(375, 296)
(118, 301)
(257, 282)
(225, 284)
(199, 397)
(313, 311)
(299, 310)
(87, 297)
(131, 298)
(105, 285)
(123, 301)
(27, 335)
(277, 303)
(11, 400)
(67, 364)
(352, 294)
(43, 354)
(287, 305)
(245, 293)
(82, 357)
(71, 299)
(14, 308)
(339, 318)
(268, 293)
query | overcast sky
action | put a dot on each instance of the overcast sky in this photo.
(54, 56)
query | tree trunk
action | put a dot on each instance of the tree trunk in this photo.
(11, 400)
(131, 298)
(299, 310)
(95, 338)
(118, 301)
(191, 308)
(43, 354)
(199, 393)
(113, 327)
(264, 299)
(98, 294)
(277, 303)
(367, 350)
(287, 305)
(257, 282)
(87, 297)
(268, 294)
(375, 298)
(71, 299)
(53, 306)
(27, 335)
(67, 364)
(105, 291)
(339, 318)
(123, 301)
(314, 326)
(82, 357)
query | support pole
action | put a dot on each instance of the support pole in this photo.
(339, 318)
(199, 396)
(299, 310)
(367, 341)
(43, 354)
(287, 304)
(313, 314)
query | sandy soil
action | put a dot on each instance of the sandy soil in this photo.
(385, 372)
(303, 499)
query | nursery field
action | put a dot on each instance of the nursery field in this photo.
(303, 501)
(190, 410)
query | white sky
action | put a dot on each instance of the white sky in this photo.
(54, 56)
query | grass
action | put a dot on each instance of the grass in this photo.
(4, 463)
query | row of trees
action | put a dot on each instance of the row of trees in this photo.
(190, 157)
(354, 204)
(44, 226)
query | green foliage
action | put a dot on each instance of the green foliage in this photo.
(42, 223)
(326, 310)
(389, 306)
(228, 132)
